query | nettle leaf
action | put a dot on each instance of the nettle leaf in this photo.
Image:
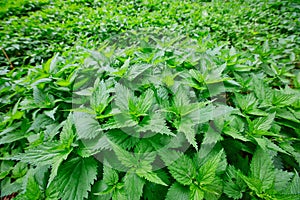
(214, 190)
(67, 134)
(207, 171)
(262, 123)
(119, 194)
(196, 193)
(87, 127)
(50, 153)
(180, 100)
(144, 102)
(246, 102)
(45, 154)
(123, 95)
(40, 122)
(75, 177)
(110, 176)
(13, 136)
(253, 183)
(211, 136)
(183, 170)
(211, 153)
(179, 192)
(281, 99)
(50, 113)
(100, 98)
(126, 158)
(208, 113)
(262, 172)
(294, 186)
(282, 179)
(32, 188)
(262, 168)
(122, 139)
(266, 144)
(187, 127)
(42, 99)
(133, 186)
(151, 176)
(123, 69)
(136, 70)
(122, 120)
(156, 124)
(234, 185)
(262, 92)
(51, 65)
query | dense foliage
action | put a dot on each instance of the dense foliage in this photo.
(150, 100)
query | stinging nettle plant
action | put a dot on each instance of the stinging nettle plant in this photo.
(152, 116)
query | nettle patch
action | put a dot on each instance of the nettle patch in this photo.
(150, 117)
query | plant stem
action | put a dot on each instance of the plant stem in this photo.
(6, 56)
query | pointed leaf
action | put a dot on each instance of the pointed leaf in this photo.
(75, 177)
(262, 168)
(183, 170)
(178, 192)
(133, 186)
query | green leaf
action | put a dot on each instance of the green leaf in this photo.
(19, 170)
(294, 186)
(208, 113)
(123, 69)
(207, 172)
(181, 97)
(51, 64)
(12, 137)
(178, 192)
(246, 102)
(151, 176)
(122, 97)
(75, 177)
(213, 190)
(196, 193)
(119, 194)
(136, 70)
(42, 99)
(45, 154)
(211, 136)
(155, 124)
(97, 188)
(8, 187)
(51, 153)
(50, 113)
(87, 126)
(5, 167)
(234, 185)
(263, 123)
(133, 186)
(234, 134)
(126, 158)
(266, 144)
(282, 179)
(32, 191)
(144, 102)
(110, 176)
(280, 99)
(187, 127)
(100, 98)
(253, 183)
(262, 169)
(67, 134)
(183, 170)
